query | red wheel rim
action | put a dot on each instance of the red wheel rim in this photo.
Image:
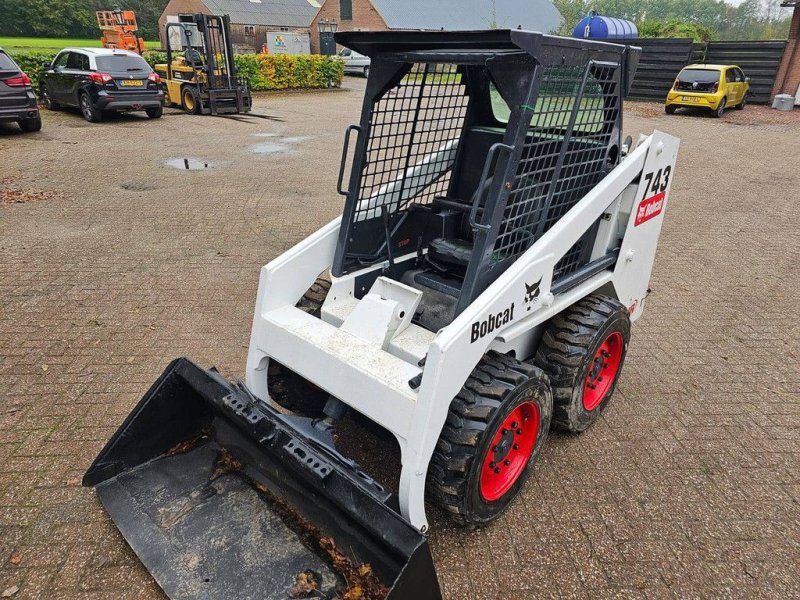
(603, 371)
(510, 451)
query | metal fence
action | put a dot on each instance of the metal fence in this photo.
(662, 59)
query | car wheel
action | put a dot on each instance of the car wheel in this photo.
(721, 108)
(366, 71)
(30, 125)
(48, 101)
(741, 104)
(90, 113)
(155, 113)
(190, 100)
(670, 110)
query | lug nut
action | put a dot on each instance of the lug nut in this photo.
(606, 353)
(506, 462)
(519, 431)
(497, 470)
(494, 448)
(514, 425)
(492, 465)
(599, 379)
(516, 446)
(592, 386)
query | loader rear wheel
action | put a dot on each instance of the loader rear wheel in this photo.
(583, 350)
(287, 388)
(494, 433)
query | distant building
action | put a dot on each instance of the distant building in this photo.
(251, 20)
(432, 15)
(787, 80)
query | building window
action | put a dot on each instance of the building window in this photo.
(250, 30)
(346, 10)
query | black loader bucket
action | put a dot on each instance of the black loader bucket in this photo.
(223, 497)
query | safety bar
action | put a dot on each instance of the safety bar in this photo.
(345, 150)
(490, 158)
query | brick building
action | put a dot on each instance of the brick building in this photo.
(787, 80)
(383, 15)
(251, 20)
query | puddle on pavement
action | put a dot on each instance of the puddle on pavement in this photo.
(187, 164)
(270, 148)
(295, 140)
(282, 145)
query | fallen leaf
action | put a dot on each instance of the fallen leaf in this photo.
(74, 481)
(15, 558)
(305, 585)
(45, 367)
(8, 592)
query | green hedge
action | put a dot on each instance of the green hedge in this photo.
(262, 71)
(31, 61)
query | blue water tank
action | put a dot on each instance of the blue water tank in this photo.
(596, 27)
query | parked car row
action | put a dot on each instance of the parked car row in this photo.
(94, 80)
(99, 80)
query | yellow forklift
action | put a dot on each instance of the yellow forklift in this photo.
(202, 78)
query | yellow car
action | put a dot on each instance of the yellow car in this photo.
(712, 87)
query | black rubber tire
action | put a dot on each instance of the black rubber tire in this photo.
(286, 387)
(155, 113)
(188, 92)
(741, 104)
(31, 125)
(670, 110)
(721, 109)
(48, 101)
(89, 112)
(567, 351)
(496, 386)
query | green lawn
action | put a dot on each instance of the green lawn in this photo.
(55, 43)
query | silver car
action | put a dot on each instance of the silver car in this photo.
(355, 62)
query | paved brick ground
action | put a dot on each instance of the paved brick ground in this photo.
(688, 487)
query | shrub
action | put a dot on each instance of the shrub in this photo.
(284, 71)
(262, 71)
(31, 61)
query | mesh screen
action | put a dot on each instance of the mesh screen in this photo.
(414, 132)
(558, 167)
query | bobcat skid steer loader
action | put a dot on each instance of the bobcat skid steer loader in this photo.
(496, 243)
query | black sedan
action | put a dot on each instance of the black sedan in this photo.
(101, 79)
(17, 100)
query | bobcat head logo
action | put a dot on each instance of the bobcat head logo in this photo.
(532, 291)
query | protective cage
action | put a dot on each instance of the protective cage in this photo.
(490, 137)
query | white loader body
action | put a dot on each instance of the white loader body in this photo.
(368, 354)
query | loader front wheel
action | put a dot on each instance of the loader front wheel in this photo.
(287, 388)
(494, 433)
(583, 350)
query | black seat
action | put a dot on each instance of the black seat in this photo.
(451, 252)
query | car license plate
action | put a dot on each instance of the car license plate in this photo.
(132, 83)
(690, 99)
